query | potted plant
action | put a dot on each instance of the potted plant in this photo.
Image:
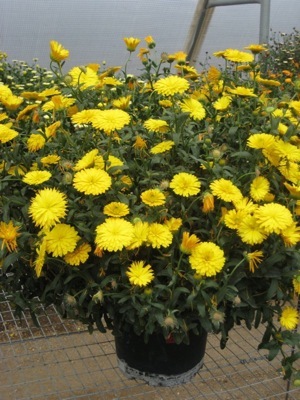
(162, 204)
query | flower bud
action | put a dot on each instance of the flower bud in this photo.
(98, 297)
(169, 322)
(67, 178)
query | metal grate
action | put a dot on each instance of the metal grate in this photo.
(61, 360)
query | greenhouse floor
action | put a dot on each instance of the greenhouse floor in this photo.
(61, 360)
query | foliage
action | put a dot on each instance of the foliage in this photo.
(162, 204)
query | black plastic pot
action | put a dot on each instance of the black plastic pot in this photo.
(160, 362)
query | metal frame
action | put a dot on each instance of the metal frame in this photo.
(202, 17)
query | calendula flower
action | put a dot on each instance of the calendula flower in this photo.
(140, 273)
(254, 259)
(162, 147)
(36, 177)
(287, 151)
(41, 257)
(58, 102)
(222, 103)
(289, 318)
(87, 161)
(250, 231)
(92, 181)
(7, 134)
(273, 217)
(256, 48)
(194, 108)
(185, 184)
(122, 102)
(208, 202)
(173, 224)
(259, 188)
(131, 43)
(140, 143)
(116, 209)
(171, 85)
(291, 235)
(8, 235)
(234, 218)
(261, 141)
(48, 207)
(114, 234)
(57, 52)
(237, 56)
(242, 91)
(207, 259)
(140, 234)
(35, 142)
(153, 197)
(188, 243)
(296, 284)
(61, 240)
(225, 190)
(150, 41)
(110, 120)
(159, 235)
(156, 125)
(50, 159)
(79, 255)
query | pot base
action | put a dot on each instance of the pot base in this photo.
(159, 379)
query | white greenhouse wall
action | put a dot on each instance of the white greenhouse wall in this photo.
(93, 29)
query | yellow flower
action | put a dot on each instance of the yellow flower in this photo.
(185, 184)
(8, 235)
(61, 240)
(173, 224)
(222, 103)
(259, 188)
(87, 161)
(207, 259)
(188, 243)
(162, 147)
(7, 134)
(296, 284)
(234, 218)
(250, 231)
(140, 274)
(36, 177)
(57, 52)
(238, 56)
(110, 120)
(58, 102)
(171, 85)
(50, 159)
(291, 235)
(140, 234)
(140, 143)
(208, 202)
(289, 318)
(12, 102)
(35, 142)
(256, 48)
(261, 141)
(153, 197)
(131, 43)
(254, 258)
(156, 125)
(194, 108)
(150, 41)
(225, 190)
(116, 209)
(48, 207)
(41, 257)
(79, 255)
(92, 181)
(122, 102)
(114, 234)
(273, 217)
(242, 91)
(159, 235)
